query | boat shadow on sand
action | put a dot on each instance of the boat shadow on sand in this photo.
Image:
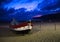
(6, 32)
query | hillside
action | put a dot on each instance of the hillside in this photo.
(50, 17)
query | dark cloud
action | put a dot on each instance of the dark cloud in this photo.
(47, 6)
(22, 9)
(3, 11)
(11, 10)
(52, 7)
(5, 1)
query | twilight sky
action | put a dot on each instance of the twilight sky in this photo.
(28, 8)
(33, 4)
(28, 4)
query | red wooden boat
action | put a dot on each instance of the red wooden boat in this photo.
(21, 26)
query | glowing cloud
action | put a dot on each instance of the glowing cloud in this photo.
(28, 4)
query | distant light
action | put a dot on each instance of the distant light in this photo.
(38, 16)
